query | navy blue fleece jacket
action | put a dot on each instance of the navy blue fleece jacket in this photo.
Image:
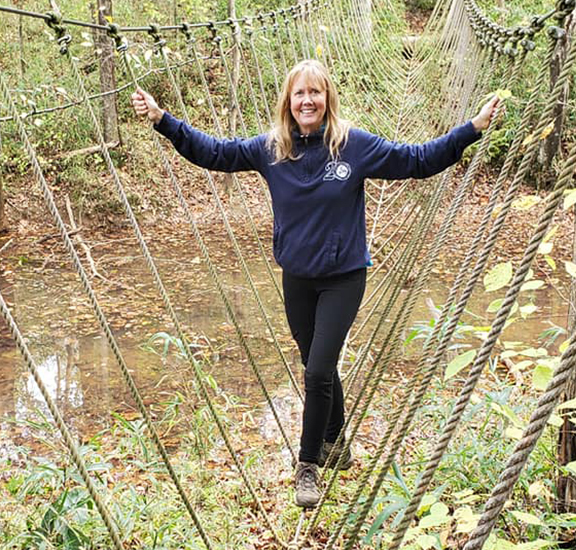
(318, 203)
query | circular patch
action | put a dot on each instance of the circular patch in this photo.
(343, 171)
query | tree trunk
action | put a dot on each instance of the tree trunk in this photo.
(566, 485)
(551, 144)
(2, 204)
(107, 73)
(365, 7)
(235, 77)
(2, 196)
(21, 48)
(235, 73)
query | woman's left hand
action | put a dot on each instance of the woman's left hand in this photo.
(482, 120)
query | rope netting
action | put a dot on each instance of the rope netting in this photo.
(408, 90)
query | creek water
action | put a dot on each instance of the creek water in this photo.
(82, 375)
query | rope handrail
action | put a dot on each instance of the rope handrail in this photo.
(299, 28)
(104, 325)
(180, 27)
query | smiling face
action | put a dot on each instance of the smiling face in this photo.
(308, 103)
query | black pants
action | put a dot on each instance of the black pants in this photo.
(320, 312)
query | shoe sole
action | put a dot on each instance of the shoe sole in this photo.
(345, 466)
(307, 504)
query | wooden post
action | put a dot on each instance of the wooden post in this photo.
(107, 73)
(551, 144)
(566, 485)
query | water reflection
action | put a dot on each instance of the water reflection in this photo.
(82, 375)
(62, 382)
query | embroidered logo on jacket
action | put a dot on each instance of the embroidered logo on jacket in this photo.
(337, 170)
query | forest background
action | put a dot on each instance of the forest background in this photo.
(45, 505)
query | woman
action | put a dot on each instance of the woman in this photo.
(315, 164)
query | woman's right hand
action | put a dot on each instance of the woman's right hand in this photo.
(145, 105)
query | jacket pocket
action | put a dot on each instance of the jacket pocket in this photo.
(334, 249)
(276, 244)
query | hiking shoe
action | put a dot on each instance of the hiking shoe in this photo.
(307, 484)
(325, 451)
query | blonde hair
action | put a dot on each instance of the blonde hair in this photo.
(336, 129)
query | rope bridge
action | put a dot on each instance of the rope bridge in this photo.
(388, 86)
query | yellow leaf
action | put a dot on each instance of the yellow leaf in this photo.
(108, 18)
(511, 432)
(503, 94)
(528, 140)
(550, 234)
(537, 489)
(550, 261)
(524, 517)
(526, 202)
(319, 50)
(547, 131)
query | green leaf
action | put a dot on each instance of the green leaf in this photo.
(433, 521)
(541, 376)
(426, 541)
(571, 467)
(439, 515)
(459, 363)
(507, 412)
(532, 285)
(502, 544)
(528, 309)
(524, 517)
(570, 268)
(499, 276)
(570, 199)
(570, 404)
(427, 501)
(555, 421)
(466, 519)
(536, 544)
(550, 234)
(503, 93)
(494, 306)
(532, 352)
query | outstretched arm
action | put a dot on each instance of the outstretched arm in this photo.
(226, 155)
(390, 160)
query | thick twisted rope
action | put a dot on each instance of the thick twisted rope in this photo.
(525, 446)
(552, 202)
(59, 421)
(428, 264)
(63, 40)
(247, 275)
(166, 300)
